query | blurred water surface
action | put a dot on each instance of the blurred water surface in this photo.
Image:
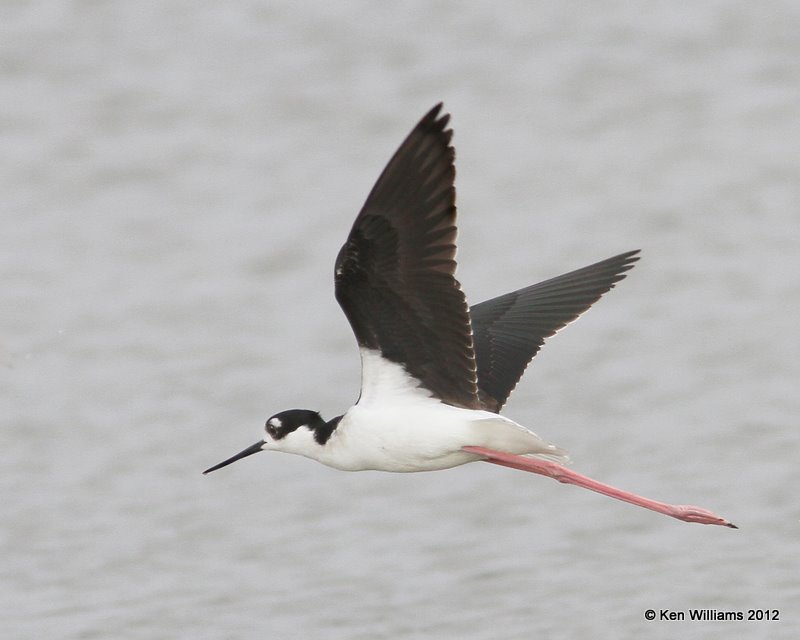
(177, 179)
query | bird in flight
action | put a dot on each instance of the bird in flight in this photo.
(435, 373)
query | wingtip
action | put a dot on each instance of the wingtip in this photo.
(625, 262)
(631, 256)
(434, 112)
(436, 118)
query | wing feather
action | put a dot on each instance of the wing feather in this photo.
(395, 274)
(509, 330)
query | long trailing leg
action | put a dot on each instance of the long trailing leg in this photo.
(687, 513)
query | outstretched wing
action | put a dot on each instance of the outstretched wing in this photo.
(395, 274)
(510, 329)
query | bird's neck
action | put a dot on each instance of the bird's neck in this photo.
(324, 430)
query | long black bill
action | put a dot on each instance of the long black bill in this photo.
(242, 454)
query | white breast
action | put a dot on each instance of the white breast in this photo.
(397, 426)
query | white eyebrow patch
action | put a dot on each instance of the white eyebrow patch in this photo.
(275, 422)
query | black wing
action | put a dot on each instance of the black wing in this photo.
(395, 274)
(510, 329)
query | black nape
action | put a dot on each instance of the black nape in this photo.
(324, 431)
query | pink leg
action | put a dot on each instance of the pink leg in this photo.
(687, 513)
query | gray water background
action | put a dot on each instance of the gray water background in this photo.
(176, 181)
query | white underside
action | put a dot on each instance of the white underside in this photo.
(397, 426)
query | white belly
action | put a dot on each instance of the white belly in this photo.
(425, 437)
(397, 426)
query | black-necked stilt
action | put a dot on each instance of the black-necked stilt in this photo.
(434, 372)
